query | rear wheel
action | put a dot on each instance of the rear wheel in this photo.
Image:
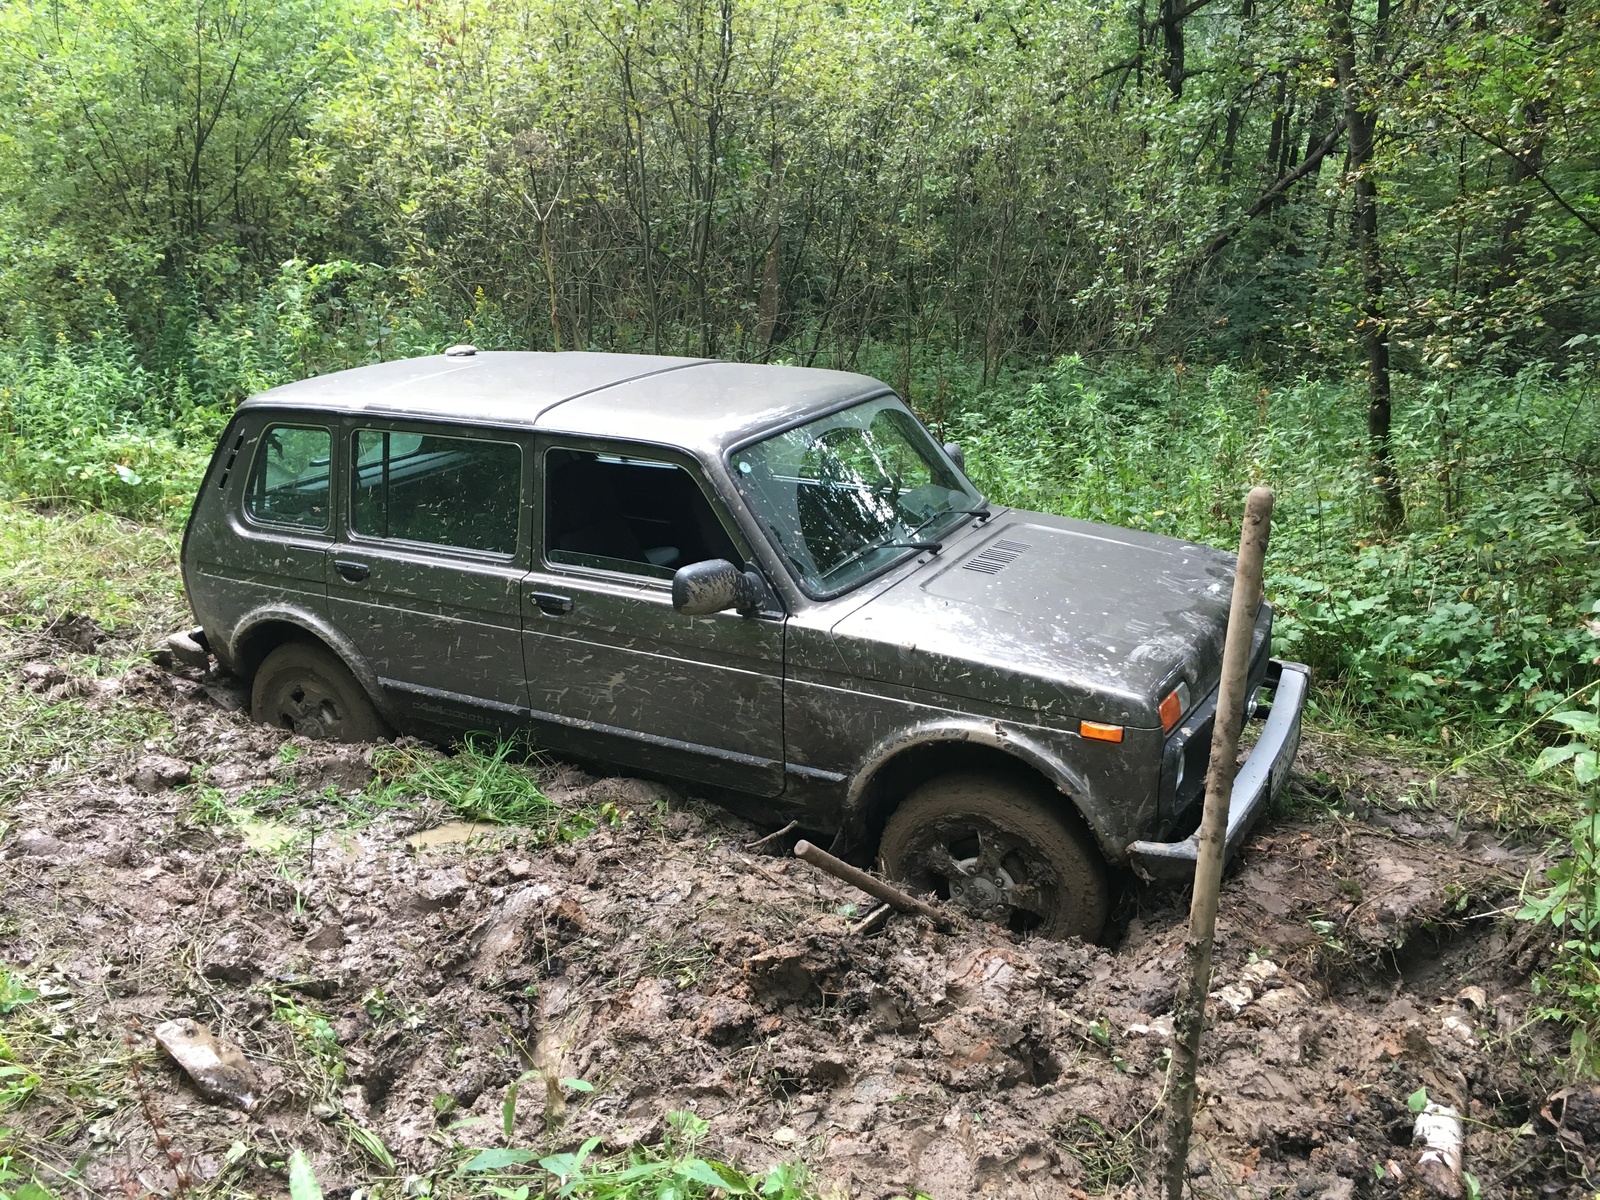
(996, 847)
(305, 687)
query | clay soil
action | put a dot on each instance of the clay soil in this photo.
(387, 996)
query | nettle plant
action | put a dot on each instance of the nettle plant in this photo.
(1571, 900)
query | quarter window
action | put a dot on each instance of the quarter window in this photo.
(447, 491)
(289, 479)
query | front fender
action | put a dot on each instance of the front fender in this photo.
(318, 627)
(1027, 745)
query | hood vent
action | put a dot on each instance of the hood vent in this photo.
(991, 560)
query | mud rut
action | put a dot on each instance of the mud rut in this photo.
(671, 968)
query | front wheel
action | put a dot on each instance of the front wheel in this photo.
(305, 687)
(999, 849)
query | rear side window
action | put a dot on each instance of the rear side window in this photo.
(446, 491)
(289, 478)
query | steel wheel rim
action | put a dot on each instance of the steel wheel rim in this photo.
(986, 870)
(308, 710)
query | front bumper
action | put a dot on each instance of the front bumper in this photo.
(1258, 781)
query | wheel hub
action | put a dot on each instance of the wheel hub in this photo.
(309, 714)
(986, 893)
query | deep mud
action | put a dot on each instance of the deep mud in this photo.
(668, 966)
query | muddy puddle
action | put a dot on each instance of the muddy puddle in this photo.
(388, 980)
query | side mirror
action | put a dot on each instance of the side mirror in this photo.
(713, 586)
(957, 455)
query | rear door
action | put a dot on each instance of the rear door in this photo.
(426, 571)
(614, 671)
(260, 532)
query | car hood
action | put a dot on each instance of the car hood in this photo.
(1067, 618)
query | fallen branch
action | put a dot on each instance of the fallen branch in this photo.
(773, 836)
(870, 884)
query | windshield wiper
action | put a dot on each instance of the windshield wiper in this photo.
(908, 544)
(875, 546)
(921, 525)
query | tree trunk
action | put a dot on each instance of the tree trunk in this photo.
(1172, 14)
(767, 327)
(1552, 21)
(1361, 121)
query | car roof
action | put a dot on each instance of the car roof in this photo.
(698, 404)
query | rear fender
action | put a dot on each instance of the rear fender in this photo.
(243, 653)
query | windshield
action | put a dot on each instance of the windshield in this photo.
(842, 494)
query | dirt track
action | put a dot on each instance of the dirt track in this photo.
(662, 963)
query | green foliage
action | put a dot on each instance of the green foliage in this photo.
(1581, 752)
(303, 1183)
(98, 423)
(672, 1171)
(1477, 611)
(485, 779)
(14, 1183)
(313, 1035)
(13, 993)
(1569, 899)
(793, 178)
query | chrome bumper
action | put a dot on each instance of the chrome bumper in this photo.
(1259, 780)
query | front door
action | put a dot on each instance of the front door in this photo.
(425, 577)
(614, 671)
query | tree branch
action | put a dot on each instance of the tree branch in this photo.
(1527, 165)
(1312, 161)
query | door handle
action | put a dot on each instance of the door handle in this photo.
(351, 572)
(551, 604)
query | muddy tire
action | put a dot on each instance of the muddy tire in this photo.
(997, 848)
(304, 687)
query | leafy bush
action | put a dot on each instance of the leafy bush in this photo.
(1570, 899)
(100, 424)
(1475, 611)
(673, 1171)
(84, 424)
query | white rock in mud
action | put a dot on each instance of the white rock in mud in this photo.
(1261, 978)
(1160, 1028)
(1271, 1007)
(1258, 972)
(1235, 997)
(42, 676)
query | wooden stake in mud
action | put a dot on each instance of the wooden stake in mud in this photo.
(870, 884)
(1190, 1018)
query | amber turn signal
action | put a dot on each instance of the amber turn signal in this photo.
(1171, 708)
(1099, 732)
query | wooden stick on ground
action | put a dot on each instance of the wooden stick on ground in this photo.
(1196, 983)
(870, 884)
(773, 836)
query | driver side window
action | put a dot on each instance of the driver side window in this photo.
(635, 516)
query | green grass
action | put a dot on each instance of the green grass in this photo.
(492, 780)
(121, 573)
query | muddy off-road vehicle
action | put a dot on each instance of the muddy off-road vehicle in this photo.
(768, 581)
